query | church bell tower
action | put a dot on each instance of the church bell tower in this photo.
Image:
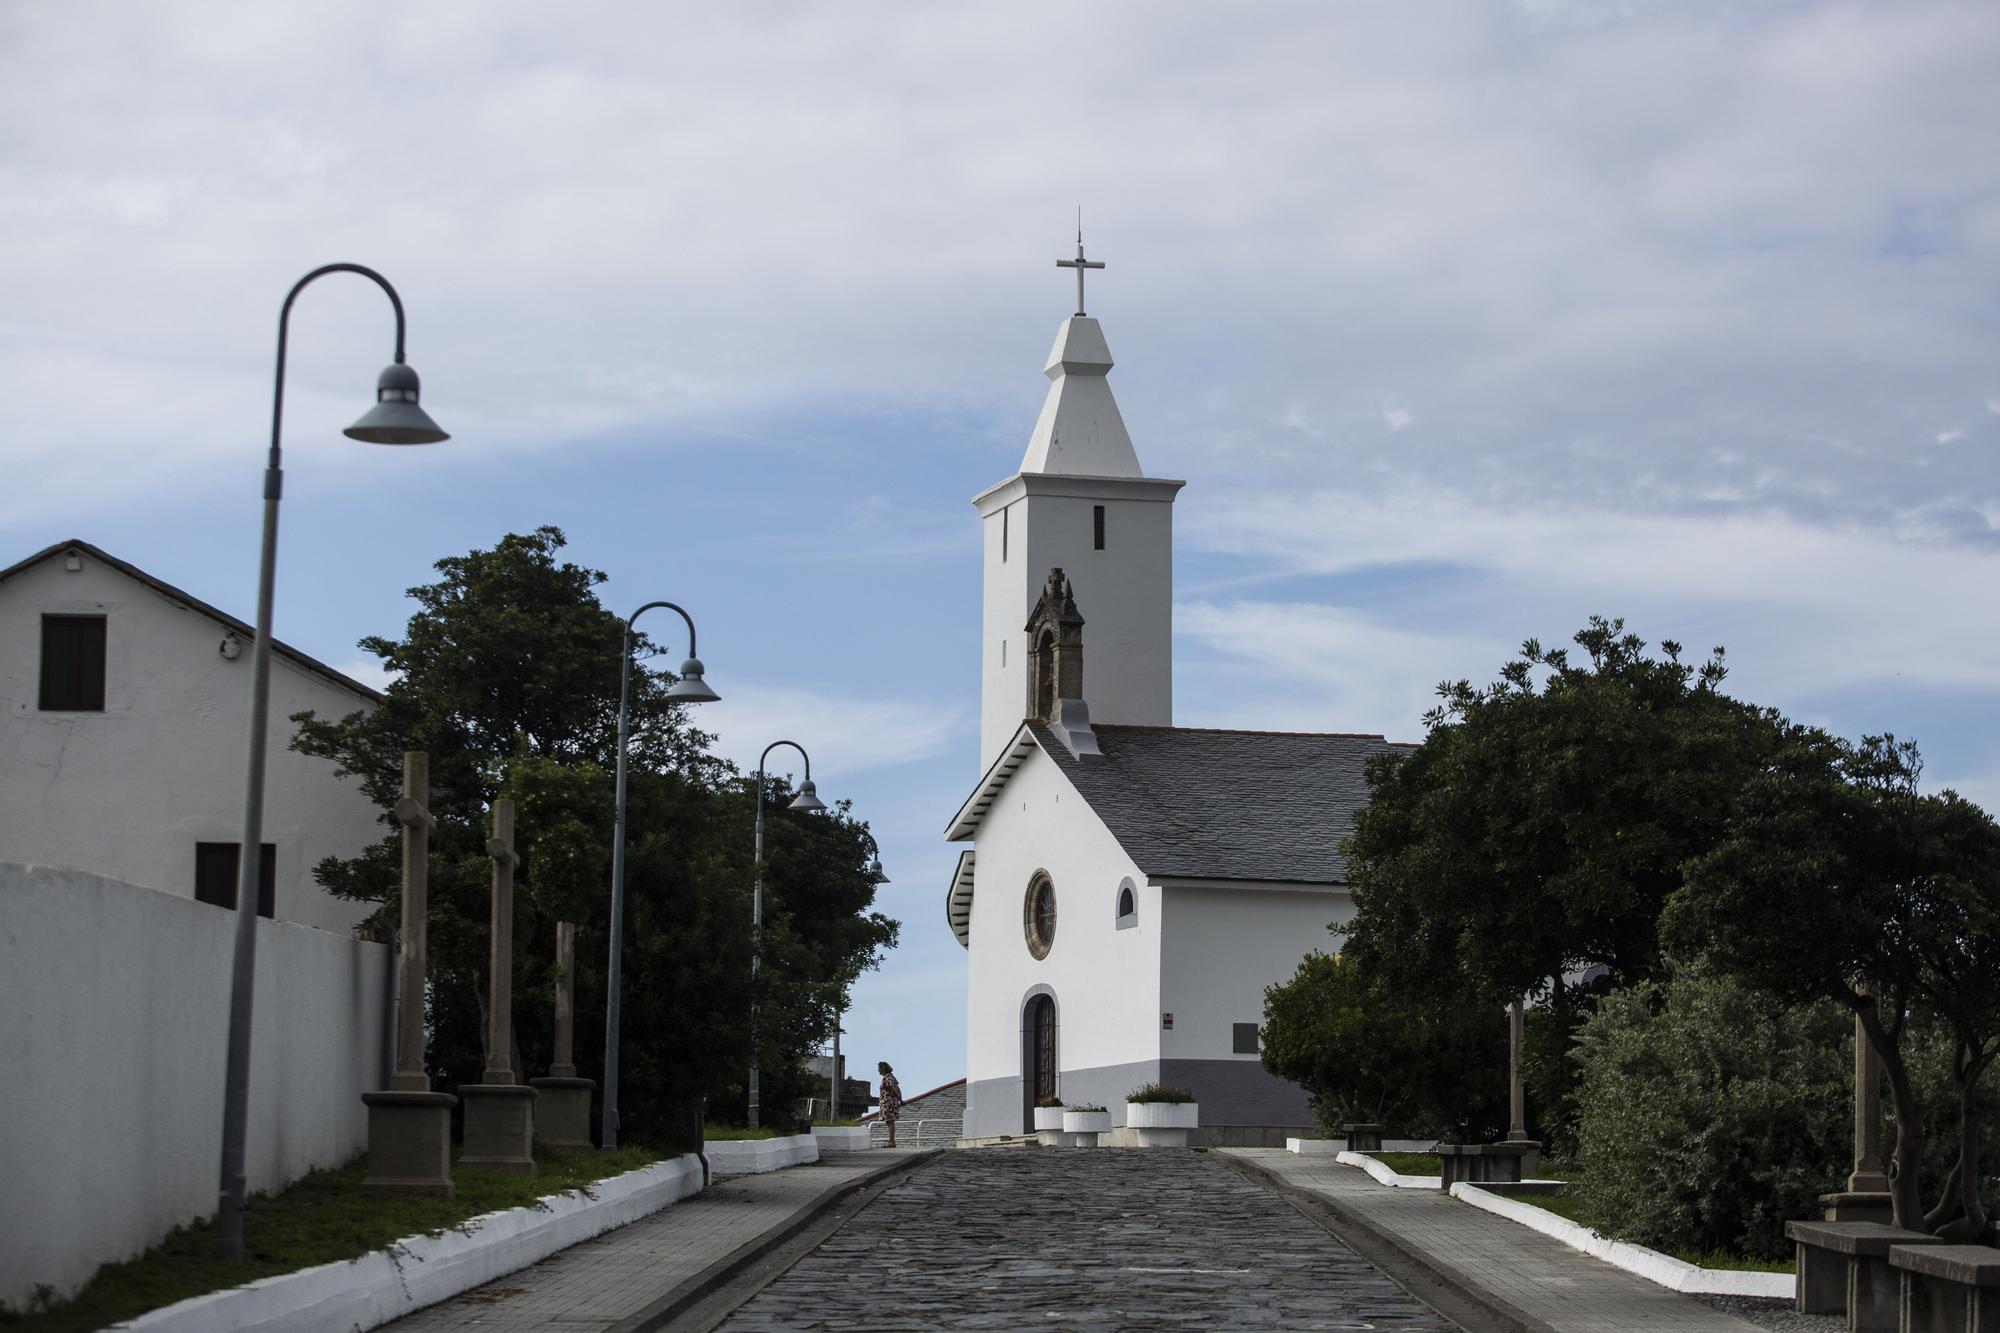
(1079, 505)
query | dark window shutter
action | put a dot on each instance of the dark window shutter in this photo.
(72, 664)
(1244, 1038)
(215, 867)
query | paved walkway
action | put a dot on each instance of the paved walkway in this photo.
(1540, 1281)
(1081, 1239)
(616, 1277)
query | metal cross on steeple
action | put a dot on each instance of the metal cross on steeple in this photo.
(1079, 263)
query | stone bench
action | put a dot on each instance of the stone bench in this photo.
(1487, 1163)
(1948, 1288)
(1363, 1138)
(1843, 1268)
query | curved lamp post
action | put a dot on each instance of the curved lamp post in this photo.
(689, 689)
(873, 874)
(395, 419)
(807, 799)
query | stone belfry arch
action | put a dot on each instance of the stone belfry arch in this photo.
(1055, 648)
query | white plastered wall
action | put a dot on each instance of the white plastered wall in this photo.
(114, 1008)
(1125, 593)
(128, 792)
(1105, 980)
(1223, 946)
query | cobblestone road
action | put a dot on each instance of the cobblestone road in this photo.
(1081, 1239)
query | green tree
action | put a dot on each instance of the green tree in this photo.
(1366, 1055)
(1840, 881)
(1540, 828)
(1709, 1113)
(508, 675)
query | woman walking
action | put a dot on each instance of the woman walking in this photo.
(892, 1098)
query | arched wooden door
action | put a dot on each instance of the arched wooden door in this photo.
(1038, 1056)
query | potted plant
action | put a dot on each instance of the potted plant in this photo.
(1161, 1117)
(1087, 1122)
(1048, 1113)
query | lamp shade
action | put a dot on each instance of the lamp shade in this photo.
(691, 688)
(807, 799)
(874, 872)
(396, 418)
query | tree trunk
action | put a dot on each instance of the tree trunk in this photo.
(1962, 1203)
(1905, 1178)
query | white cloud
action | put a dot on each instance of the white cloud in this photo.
(843, 734)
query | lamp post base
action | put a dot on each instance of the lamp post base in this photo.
(409, 1143)
(499, 1127)
(562, 1110)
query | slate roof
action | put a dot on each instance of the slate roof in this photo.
(1190, 803)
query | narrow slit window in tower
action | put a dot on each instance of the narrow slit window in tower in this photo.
(1097, 525)
(1003, 532)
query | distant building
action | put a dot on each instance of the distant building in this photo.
(122, 746)
(1132, 886)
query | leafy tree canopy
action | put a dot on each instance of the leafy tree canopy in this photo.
(507, 676)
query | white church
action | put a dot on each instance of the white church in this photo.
(1131, 886)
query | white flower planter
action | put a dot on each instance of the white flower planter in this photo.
(1083, 1127)
(1162, 1124)
(1048, 1117)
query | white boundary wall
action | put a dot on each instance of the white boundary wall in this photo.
(114, 1010)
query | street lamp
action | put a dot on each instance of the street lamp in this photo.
(873, 874)
(807, 799)
(395, 419)
(689, 689)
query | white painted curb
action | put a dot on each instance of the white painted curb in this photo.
(841, 1138)
(1382, 1173)
(1664, 1269)
(418, 1271)
(750, 1157)
(1314, 1146)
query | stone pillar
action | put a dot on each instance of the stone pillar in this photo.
(409, 1126)
(562, 1107)
(1517, 1094)
(1867, 1197)
(499, 1113)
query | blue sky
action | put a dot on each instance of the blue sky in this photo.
(1463, 321)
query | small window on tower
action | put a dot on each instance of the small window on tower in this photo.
(1097, 525)
(1003, 532)
(1243, 1038)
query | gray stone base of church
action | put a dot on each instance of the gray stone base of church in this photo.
(499, 1127)
(562, 1111)
(1242, 1105)
(409, 1142)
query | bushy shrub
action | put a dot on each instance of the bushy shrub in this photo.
(1708, 1115)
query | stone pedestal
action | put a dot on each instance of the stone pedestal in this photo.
(499, 1128)
(562, 1111)
(1859, 1206)
(409, 1142)
(1363, 1138)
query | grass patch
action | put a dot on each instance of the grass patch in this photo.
(1409, 1163)
(322, 1217)
(1570, 1206)
(735, 1133)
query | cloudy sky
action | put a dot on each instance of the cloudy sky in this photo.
(1463, 321)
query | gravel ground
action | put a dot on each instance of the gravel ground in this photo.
(1778, 1315)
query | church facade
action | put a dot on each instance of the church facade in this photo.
(1130, 887)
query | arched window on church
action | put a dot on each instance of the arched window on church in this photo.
(1128, 904)
(1045, 675)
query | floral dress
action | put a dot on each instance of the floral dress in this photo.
(892, 1099)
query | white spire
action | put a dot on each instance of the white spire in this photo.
(1080, 433)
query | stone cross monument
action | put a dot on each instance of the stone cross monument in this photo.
(562, 1111)
(1867, 1197)
(500, 1113)
(409, 1126)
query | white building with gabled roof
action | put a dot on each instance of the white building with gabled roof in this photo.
(124, 732)
(1131, 887)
